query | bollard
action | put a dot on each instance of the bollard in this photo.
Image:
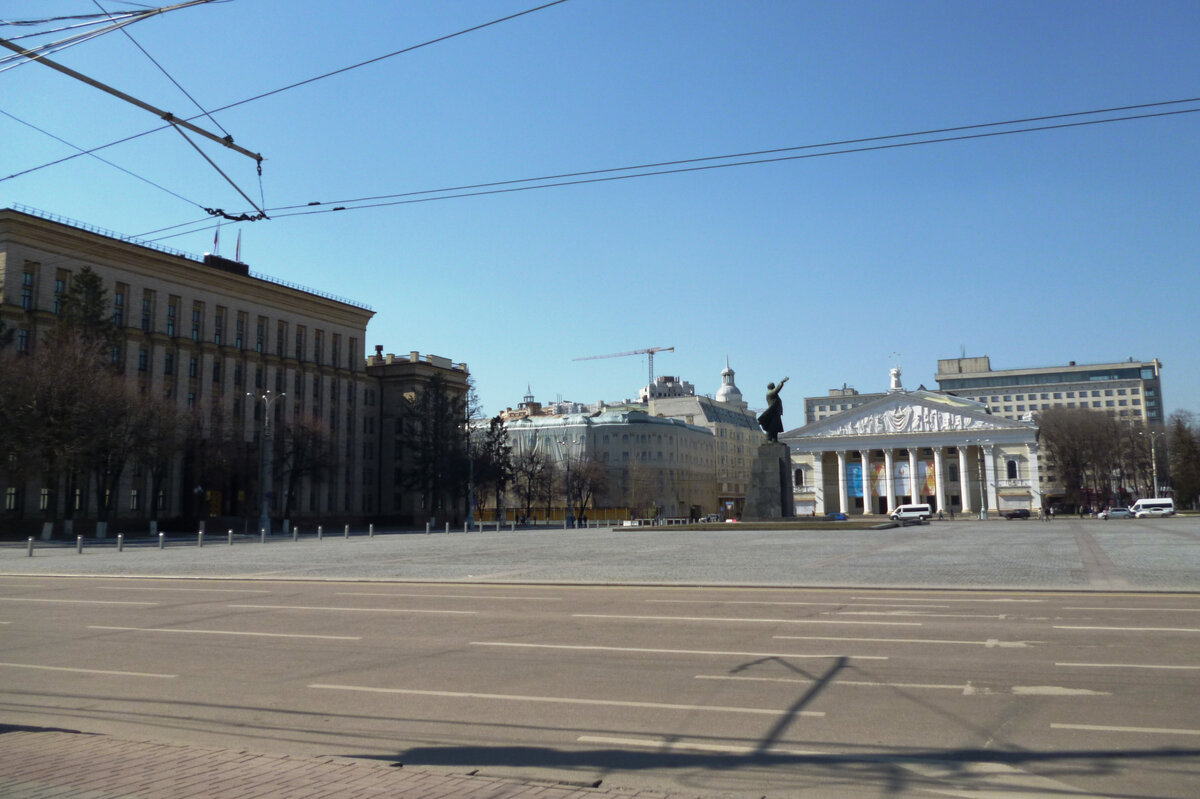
(447, 527)
(371, 530)
(201, 526)
(230, 537)
(320, 532)
(296, 533)
(120, 542)
(426, 529)
(497, 525)
(31, 546)
(346, 532)
(262, 535)
(200, 538)
(79, 544)
(162, 540)
(513, 527)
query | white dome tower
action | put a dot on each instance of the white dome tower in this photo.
(729, 392)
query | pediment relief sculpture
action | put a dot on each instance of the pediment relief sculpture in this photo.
(908, 419)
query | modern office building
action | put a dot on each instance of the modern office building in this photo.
(1129, 390)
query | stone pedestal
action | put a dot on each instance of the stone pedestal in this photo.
(769, 495)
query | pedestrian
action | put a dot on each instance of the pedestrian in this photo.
(941, 518)
(951, 513)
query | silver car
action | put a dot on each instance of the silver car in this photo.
(1116, 513)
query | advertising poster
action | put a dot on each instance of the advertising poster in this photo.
(878, 483)
(900, 470)
(854, 480)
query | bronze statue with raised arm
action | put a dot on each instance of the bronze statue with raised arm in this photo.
(771, 420)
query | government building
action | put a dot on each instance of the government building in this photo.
(240, 354)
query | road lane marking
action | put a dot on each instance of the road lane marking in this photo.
(991, 643)
(1176, 610)
(940, 599)
(587, 648)
(358, 610)
(563, 700)
(193, 590)
(75, 601)
(452, 596)
(87, 671)
(921, 613)
(750, 621)
(1132, 629)
(224, 632)
(858, 683)
(666, 745)
(776, 602)
(966, 689)
(1126, 666)
(1107, 728)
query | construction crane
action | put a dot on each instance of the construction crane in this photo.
(648, 352)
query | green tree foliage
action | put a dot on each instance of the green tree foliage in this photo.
(494, 468)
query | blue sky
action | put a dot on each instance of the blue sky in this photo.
(1035, 249)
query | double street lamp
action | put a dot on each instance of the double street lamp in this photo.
(268, 400)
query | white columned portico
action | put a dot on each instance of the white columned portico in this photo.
(889, 479)
(989, 458)
(864, 455)
(841, 481)
(939, 489)
(913, 496)
(964, 480)
(1035, 483)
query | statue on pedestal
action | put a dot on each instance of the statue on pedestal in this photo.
(771, 420)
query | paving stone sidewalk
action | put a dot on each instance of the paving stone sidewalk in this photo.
(57, 764)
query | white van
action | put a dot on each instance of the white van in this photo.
(919, 512)
(1153, 507)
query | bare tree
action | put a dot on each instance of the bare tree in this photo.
(308, 452)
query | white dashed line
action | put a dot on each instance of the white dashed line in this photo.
(224, 632)
(86, 671)
(745, 621)
(587, 648)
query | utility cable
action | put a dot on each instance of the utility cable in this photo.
(825, 145)
(506, 187)
(291, 86)
(168, 75)
(100, 159)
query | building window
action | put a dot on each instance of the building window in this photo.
(193, 367)
(135, 499)
(10, 498)
(260, 336)
(169, 363)
(44, 499)
(143, 360)
(172, 311)
(1012, 470)
(218, 326)
(22, 340)
(216, 372)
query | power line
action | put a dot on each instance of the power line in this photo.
(293, 86)
(605, 175)
(729, 156)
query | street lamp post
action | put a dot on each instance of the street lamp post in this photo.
(982, 482)
(567, 483)
(264, 517)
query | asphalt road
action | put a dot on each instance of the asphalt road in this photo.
(1126, 554)
(717, 691)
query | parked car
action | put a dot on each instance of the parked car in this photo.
(1018, 513)
(835, 516)
(1116, 513)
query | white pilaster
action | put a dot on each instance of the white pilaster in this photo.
(989, 459)
(1035, 483)
(939, 488)
(842, 492)
(889, 479)
(913, 488)
(964, 480)
(864, 455)
(818, 477)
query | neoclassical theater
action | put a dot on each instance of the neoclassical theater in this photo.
(915, 446)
